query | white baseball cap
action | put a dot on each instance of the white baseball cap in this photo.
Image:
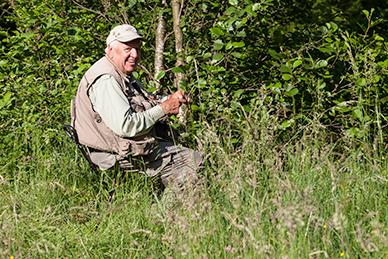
(123, 33)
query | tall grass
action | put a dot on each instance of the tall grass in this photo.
(261, 198)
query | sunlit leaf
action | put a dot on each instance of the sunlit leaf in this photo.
(233, 2)
(160, 75)
(297, 63)
(321, 63)
(228, 46)
(238, 44)
(195, 107)
(361, 81)
(286, 77)
(218, 44)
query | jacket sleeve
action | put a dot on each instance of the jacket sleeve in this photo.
(109, 101)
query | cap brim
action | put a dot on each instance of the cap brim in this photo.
(131, 38)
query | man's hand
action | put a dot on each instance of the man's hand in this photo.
(181, 95)
(171, 105)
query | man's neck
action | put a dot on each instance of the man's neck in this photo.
(128, 77)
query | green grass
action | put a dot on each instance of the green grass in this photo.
(261, 199)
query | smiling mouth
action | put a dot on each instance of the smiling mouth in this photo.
(131, 61)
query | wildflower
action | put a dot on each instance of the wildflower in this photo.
(342, 254)
(11, 257)
(362, 148)
(230, 249)
(324, 226)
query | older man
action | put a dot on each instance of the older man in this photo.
(121, 123)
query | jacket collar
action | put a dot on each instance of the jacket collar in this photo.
(127, 78)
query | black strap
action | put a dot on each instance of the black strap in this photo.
(72, 134)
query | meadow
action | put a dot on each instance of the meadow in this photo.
(307, 198)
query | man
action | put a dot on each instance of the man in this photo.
(121, 123)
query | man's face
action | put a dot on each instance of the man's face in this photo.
(125, 55)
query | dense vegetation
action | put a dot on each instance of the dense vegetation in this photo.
(289, 106)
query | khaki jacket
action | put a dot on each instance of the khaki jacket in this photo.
(90, 127)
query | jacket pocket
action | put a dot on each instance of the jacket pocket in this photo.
(143, 147)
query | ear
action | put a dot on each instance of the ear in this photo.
(109, 51)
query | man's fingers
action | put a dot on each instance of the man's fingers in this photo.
(171, 106)
(180, 95)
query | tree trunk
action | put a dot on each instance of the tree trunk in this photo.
(176, 13)
(159, 48)
(176, 9)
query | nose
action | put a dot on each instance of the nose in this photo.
(134, 53)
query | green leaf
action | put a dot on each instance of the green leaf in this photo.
(176, 125)
(366, 13)
(292, 92)
(321, 63)
(334, 26)
(238, 93)
(230, 10)
(207, 55)
(228, 46)
(3, 62)
(6, 100)
(361, 81)
(218, 44)
(233, 140)
(286, 124)
(256, 7)
(379, 38)
(195, 107)
(325, 50)
(239, 44)
(286, 77)
(241, 33)
(233, 2)
(384, 100)
(160, 75)
(177, 70)
(131, 3)
(285, 69)
(217, 31)
(274, 54)
(358, 114)
(297, 63)
(287, 86)
(247, 108)
(343, 108)
(152, 89)
(236, 54)
(234, 105)
(217, 57)
(351, 132)
(189, 59)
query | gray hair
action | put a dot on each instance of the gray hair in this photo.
(112, 44)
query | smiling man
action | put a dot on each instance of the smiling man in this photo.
(121, 123)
